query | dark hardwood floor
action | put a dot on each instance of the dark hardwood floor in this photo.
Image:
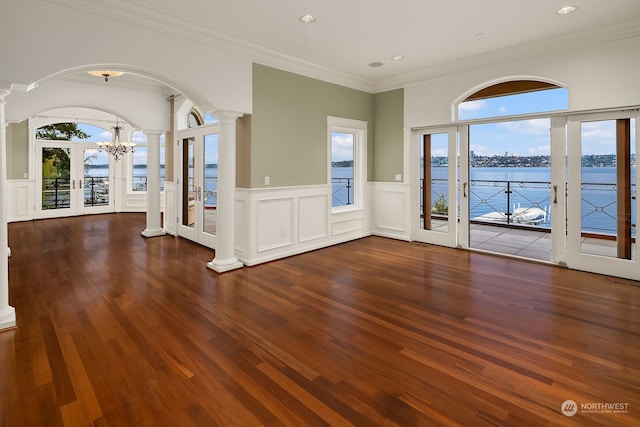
(118, 330)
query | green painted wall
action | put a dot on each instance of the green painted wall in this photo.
(289, 127)
(388, 146)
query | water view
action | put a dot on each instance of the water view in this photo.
(504, 189)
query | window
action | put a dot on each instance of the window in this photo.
(139, 162)
(347, 165)
(195, 118)
(513, 98)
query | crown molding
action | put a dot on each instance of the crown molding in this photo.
(528, 51)
(135, 13)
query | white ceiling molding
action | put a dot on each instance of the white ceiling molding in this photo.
(131, 13)
(148, 15)
(532, 50)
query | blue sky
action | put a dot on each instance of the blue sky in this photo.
(530, 137)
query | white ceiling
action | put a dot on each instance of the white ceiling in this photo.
(434, 36)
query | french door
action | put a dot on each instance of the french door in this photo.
(197, 216)
(435, 210)
(72, 179)
(602, 193)
(590, 189)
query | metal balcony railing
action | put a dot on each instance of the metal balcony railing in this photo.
(509, 202)
(56, 193)
(139, 183)
(96, 190)
(342, 191)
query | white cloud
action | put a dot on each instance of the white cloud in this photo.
(341, 146)
(470, 109)
(472, 105)
(138, 137)
(541, 150)
(478, 149)
(536, 127)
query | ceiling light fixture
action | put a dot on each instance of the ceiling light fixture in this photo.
(307, 19)
(376, 64)
(566, 10)
(397, 57)
(116, 147)
(106, 74)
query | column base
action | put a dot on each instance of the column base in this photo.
(8, 319)
(153, 232)
(226, 265)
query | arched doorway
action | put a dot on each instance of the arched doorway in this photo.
(487, 180)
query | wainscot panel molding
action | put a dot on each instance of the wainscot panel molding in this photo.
(20, 200)
(134, 202)
(315, 207)
(241, 225)
(285, 221)
(170, 218)
(391, 212)
(275, 223)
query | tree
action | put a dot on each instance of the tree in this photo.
(61, 132)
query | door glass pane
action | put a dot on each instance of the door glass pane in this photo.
(96, 177)
(210, 188)
(56, 183)
(188, 183)
(434, 182)
(139, 170)
(608, 191)
(510, 193)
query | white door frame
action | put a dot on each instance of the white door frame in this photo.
(576, 258)
(195, 233)
(443, 238)
(76, 181)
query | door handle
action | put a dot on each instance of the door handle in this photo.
(73, 184)
(464, 190)
(555, 194)
(199, 192)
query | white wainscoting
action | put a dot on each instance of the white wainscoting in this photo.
(20, 200)
(281, 222)
(273, 223)
(390, 213)
(170, 218)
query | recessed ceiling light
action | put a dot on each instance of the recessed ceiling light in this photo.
(307, 19)
(397, 57)
(566, 10)
(376, 64)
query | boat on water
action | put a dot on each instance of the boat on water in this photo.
(531, 215)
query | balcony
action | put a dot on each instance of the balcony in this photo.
(514, 217)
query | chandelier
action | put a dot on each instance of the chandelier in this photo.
(117, 148)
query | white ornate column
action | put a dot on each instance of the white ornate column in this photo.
(7, 313)
(225, 258)
(154, 227)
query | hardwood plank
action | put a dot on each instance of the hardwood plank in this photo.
(114, 329)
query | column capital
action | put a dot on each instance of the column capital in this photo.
(227, 117)
(153, 133)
